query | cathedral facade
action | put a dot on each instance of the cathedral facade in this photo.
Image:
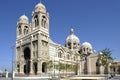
(37, 54)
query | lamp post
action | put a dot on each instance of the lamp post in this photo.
(12, 61)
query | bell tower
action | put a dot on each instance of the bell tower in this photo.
(32, 43)
(40, 19)
(40, 26)
(23, 26)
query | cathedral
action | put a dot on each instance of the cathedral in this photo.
(37, 54)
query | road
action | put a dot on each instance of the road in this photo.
(20, 79)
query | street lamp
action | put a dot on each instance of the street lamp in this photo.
(12, 61)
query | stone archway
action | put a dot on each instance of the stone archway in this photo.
(27, 60)
(44, 67)
(97, 67)
(35, 67)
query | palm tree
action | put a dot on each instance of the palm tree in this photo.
(104, 58)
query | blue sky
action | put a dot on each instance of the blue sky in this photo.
(94, 21)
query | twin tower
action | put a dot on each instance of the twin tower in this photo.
(34, 48)
(32, 42)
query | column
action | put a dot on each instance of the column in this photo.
(31, 60)
(39, 45)
(22, 60)
(39, 54)
(39, 67)
(80, 65)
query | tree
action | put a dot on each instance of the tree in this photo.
(105, 57)
(61, 66)
(50, 65)
(75, 68)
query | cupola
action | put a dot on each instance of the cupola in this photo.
(40, 8)
(86, 48)
(72, 41)
(24, 19)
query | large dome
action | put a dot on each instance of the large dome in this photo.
(24, 19)
(72, 38)
(40, 8)
(87, 45)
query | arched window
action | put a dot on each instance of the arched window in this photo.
(84, 49)
(43, 22)
(18, 66)
(74, 58)
(69, 45)
(36, 21)
(68, 56)
(26, 30)
(60, 54)
(19, 30)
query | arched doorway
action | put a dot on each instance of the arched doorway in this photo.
(106, 70)
(97, 67)
(85, 66)
(27, 60)
(35, 67)
(44, 67)
(118, 71)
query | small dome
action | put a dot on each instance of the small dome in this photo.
(87, 45)
(24, 19)
(72, 38)
(40, 7)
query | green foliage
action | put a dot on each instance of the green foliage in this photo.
(105, 57)
(62, 66)
(68, 66)
(50, 64)
(75, 67)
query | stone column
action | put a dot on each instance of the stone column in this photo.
(31, 67)
(31, 64)
(22, 68)
(22, 59)
(80, 66)
(39, 45)
(39, 54)
(39, 67)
